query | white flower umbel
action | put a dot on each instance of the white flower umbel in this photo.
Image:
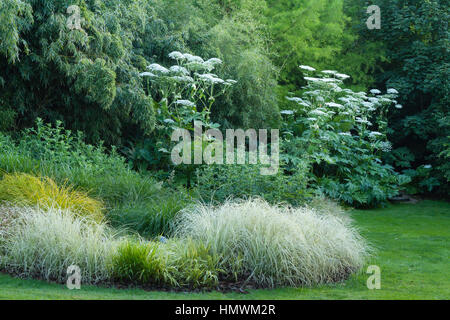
(329, 80)
(176, 55)
(312, 79)
(367, 104)
(154, 67)
(182, 79)
(192, 58)
(230, 82)
(334, 105)
(185, 103)
(362, 121)
(375, 134)
(211, 78)
(318, 113)
(307, 68)
(392, 91)
(179, 70)
(214, 61)
(342, 76)
(375, 91)
(297, 100)
(147, 74)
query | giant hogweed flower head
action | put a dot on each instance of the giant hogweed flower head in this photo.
(179, 70)
(368, 105)
(191, 58)
(195, 63)
(156, 68)
(210, 78)
(147, 74)
(182, 79)
(375, 91)
(325, 90)
(307, 68)
(342, 76)
(185, 103)
(392, 91)
(312, 79)
(230, 82)
(214, 61)
(329, 80)
(334, 105)
(318, 112)
(375, 134)
(176, 55)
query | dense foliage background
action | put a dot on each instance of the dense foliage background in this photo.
(416, 40)
(90, 80)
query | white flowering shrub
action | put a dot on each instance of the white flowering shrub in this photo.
(183, 93)
(343, 136)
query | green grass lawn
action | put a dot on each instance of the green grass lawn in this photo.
(412, 244)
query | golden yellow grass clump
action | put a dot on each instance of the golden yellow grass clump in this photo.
(25, 189)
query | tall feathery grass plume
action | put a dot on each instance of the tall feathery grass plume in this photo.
(44, 243)
(275, 245)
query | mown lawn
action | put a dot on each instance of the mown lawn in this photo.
(412, 244)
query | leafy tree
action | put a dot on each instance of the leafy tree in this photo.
(241, 40)
(416, 37)
(235, 32)
(323, 33)
(88, 78)
(305, 32)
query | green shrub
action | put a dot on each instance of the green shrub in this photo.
(342, 134)
(87, 78)
(275, 246)
(190, 264)
(15, 162)
(176, 263)
(7, 119)
(28, 190)
(115, 189)
(53, 152)
(137, 262)
(152, 217)
(415, 46)
(44, 244)
(133, 200)
(217, 183)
